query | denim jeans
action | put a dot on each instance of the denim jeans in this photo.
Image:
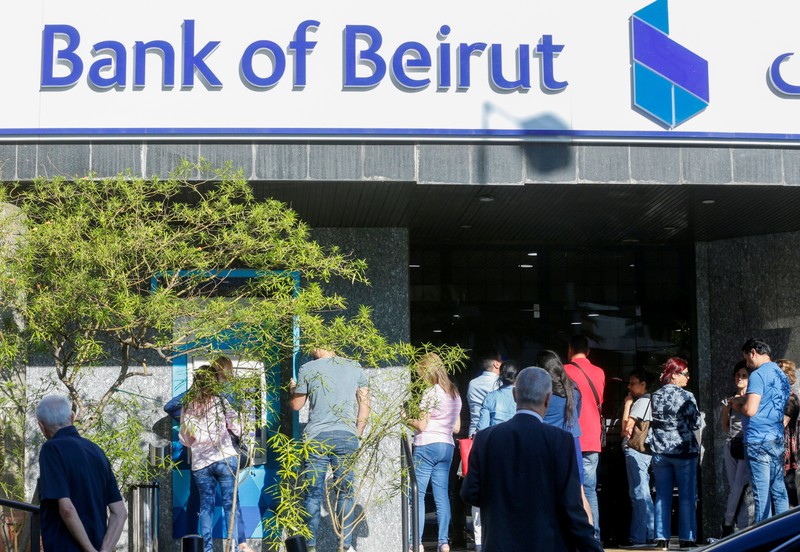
(206, 479)
(590, 461)
(765, 465)
(637, 464)
(668, 472)
(339, 453)
(432, 464)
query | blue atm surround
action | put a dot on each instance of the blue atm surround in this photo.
(256, 502)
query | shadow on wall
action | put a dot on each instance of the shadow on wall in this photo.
(539, 158)
(778, 340)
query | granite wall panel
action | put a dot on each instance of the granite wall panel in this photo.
(443, 164)
(656, 164)
(67, 160)
(603, 164)
(163, 159)
(554, 163)
(757, 166)
(395, 162)
(745, 288)
(497, 164)
(706, 165)
(281, 162)
(113, 159)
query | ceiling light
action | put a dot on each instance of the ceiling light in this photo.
(632, 265)
(437, 331)
(525, 266)
(485, 198)
(575, 323)
(466, 226)
(670, 228)
(709, 201)
(592, 314)
(532, 254)
(456, 316)
(414, 266)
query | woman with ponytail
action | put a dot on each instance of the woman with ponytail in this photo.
(499, 405)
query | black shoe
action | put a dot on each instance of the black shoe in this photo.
(727, 530)
(687, 544)
(661, 544)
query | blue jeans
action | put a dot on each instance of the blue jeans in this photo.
(339, 453)
(590, 461)
(669, 471)
(206, 479)
(432, 464)
(637, 465)
(765, 465)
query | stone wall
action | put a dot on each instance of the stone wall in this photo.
(435, 163)
(746, 287)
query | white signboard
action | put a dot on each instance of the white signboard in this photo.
(513, 69)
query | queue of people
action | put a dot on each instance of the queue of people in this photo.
(532, 436)
(494, 400)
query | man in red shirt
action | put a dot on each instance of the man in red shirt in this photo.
(588, 376)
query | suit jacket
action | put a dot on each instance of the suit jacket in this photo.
(524, 478)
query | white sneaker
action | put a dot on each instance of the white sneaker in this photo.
(351, 549)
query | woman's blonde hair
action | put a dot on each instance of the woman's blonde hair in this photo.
(432, 370)
(789, 368)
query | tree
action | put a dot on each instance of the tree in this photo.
(114, 275)
(125, 272)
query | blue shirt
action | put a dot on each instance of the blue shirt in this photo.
(498, 406)
(772, 385)
(75, 468)
(555, 415)
(477, 391)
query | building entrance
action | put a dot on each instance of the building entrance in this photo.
(633, 303)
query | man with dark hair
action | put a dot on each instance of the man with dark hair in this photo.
(523, 476)
(479, 387)
(76, 486)
(767, 392)
(591, 382)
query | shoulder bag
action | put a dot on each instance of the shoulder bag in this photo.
(638, 439)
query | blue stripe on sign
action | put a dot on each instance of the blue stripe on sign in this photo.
(668, 58)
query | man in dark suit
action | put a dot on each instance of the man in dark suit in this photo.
(524, 478)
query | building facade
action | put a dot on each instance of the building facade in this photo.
(632, 176)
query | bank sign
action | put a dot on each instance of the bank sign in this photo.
(716, 70)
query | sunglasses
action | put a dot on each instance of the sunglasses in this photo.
(685, 373)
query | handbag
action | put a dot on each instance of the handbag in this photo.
(238, 444)
(244, 456)
(599, 405)
(737, 447)
(465, 447)
(638, 438)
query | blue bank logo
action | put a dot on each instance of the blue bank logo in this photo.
(670, 82)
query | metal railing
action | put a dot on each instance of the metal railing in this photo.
(408, 479)
(33, 510)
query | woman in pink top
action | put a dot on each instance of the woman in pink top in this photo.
(205, 424)
(440, 417)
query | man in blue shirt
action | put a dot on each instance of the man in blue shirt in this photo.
(76, 486)
(767, 392)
